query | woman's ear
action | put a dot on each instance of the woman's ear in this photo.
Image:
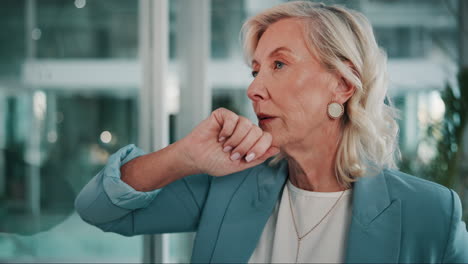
(344, 90)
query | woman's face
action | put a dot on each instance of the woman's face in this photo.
(290, 85)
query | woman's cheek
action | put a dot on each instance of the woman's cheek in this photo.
(277, 83)
(285, 83)
(303, 80)
(276, 75)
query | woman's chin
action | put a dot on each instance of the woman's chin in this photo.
(276, 142)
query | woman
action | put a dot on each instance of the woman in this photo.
(330, 194)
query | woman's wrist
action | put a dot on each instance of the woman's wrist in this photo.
(184, 164)
(158, 169)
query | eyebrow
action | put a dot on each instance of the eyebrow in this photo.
(274, 53)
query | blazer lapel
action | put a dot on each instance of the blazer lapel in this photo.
(234, 228)
(375, 231)
(247, 213)
(222, 191)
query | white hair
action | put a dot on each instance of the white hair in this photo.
(343, 42)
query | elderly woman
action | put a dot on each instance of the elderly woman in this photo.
(329, 194)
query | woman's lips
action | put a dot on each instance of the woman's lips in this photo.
(265, 120)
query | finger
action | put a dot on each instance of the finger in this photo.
(272, 151)
(228, 121)
(269, 153)
(254, 134)
(242, 128)
(259, 148)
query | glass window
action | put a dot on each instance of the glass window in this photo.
(69, 85)
(69, 82)
(86, 29)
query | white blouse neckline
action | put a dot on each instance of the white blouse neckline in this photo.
(300, 192)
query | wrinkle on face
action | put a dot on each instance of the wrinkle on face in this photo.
(297, 93)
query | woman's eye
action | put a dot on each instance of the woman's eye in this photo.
(254, 73)
(278, 65)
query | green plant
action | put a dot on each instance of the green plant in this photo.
(448, 134)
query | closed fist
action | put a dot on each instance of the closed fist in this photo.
(225, 143)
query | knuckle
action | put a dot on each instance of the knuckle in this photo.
(232, 118)
(231, 122)
(263, 144)
(246, 144)
(225, 113)
(239, 148)
(245, 122)
(268, 136)
(258, 131)
(218, 111)
(225, 128)
(235, 117)
(228, 124)
(255, 148)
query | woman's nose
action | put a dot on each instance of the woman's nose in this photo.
(257, 90)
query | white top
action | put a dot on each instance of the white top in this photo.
(325, 244)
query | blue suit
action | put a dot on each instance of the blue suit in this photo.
(396, 217)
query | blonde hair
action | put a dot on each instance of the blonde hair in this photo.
(343, 41)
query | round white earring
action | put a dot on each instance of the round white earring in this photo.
(335, 110)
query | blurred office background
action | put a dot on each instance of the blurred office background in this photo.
(81, 78)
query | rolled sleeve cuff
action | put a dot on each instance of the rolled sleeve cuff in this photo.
(120, 193)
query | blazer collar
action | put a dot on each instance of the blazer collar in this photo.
(374, 234)
(375, 231)
(248, 199)
(370, 197)
(370, 193)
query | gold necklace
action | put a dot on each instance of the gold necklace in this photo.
(299, 238)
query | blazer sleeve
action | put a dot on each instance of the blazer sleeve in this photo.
(114, 206)
(456, 250)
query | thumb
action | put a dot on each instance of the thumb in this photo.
(269, 153)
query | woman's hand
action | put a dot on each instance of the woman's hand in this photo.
(225, 143)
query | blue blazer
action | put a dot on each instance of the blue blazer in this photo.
(395, 217)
